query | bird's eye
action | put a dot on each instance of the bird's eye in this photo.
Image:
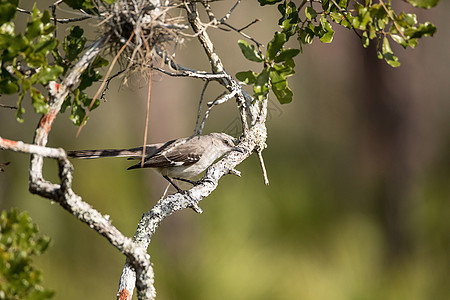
(226, 142)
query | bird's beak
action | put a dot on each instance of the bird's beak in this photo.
(237, 149)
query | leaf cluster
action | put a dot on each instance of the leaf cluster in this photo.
(313, 19)
(79, 102)
(24, 57)
(371, 20)
(278, 66)
(19, 242)
(32, 59)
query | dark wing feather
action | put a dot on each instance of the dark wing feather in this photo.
(185, 154)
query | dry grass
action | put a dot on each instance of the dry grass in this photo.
(154, 30)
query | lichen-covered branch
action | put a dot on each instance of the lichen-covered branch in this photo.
(253, 138)
(63, 194)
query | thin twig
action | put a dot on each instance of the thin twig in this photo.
(149, 96)
(192, 73)
(147, 118)
(62, 21)
(243, 33)
(100, 89)
(263, 167)
(224, 18)
(8, 106)
(199, 112)
(249, 24)
(393, 20)
(103, 95)
(343, 14)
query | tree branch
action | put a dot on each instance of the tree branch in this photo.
(62, 21)
(253, 138)
(63, 193)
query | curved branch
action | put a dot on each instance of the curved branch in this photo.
(63, 193)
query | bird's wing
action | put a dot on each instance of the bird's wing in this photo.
(183, 154)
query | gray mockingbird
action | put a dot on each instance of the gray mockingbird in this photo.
(178, 159)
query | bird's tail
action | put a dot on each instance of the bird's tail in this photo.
(133, 153)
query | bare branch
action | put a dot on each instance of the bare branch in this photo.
(199, 112)
(230, 12)
(62, 21)
(8, 106)
(193, 74)
(263, 167)
(249, 24)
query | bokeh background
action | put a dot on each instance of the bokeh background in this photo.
(359, 167)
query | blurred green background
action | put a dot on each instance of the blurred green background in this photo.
(359, 164)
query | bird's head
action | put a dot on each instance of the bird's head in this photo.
(224, 142)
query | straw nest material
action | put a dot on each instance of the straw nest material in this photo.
(148, 28)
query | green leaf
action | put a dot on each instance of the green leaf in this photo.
(19, 242)
(306, 36)
(279, 86)
(38, 101)
(20, 110)
(261, 86)
(340, 19)
(277, 81)
(47, 73)
(83, 98)
(275, 45)
(388, 55)
(310, 13)
(247, 77)
(327, 32)
(284, 96)
(67, 102)
(425, 29)
(286, 69)
(268, 2)
(8, 10)
(77, 114)
(88, 77)
(329, 6)
(8, 83)
(74, 43)
(365, 39)
(45, 45)
(289, 18)
(34, 29)
(286, 54)
(8, 87)
(14, 45)
(250, 52)
(410, 19)
(423, 3)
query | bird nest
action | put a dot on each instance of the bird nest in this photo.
(140, 31)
